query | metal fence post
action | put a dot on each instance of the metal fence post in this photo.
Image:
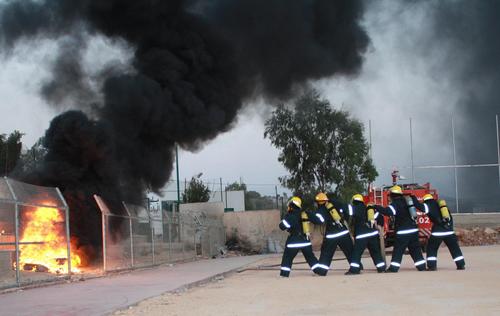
(152, 240)
(169, 238)
(131, 241)
(16, 214)
(455, 161)
(181, 231)
(16, 229)
(411, 153)
(68, 237)
(498, 147)
(103, 242)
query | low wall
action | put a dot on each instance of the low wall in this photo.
(472, 220)
(204, 222)
(258, 230)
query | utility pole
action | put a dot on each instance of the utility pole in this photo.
(177, 171)
(455, 161)
(411, 153)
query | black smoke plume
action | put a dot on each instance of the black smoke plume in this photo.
(194, 65)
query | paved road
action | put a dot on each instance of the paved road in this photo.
(105, 295)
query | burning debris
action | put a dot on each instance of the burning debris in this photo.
(43, 245)
(194, 65)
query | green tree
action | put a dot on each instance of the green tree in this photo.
(10, 151)
(236, 186)
(322, 148)
(34, 156)
(196, 191)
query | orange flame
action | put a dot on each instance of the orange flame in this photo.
(43, 242)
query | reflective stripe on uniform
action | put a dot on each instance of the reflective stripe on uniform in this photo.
(376, 215)
(323, 266)
(342, 233)
(419, 262)
(350, 210)
(407, 231)
(366, 235)
(285, 223)
(315, 266)
(381, 264)
(320, 217)
(426, 211)
(442, 233)
(395, 264)
(458, 258)
(299, 245)
(392, 209)
(356, 265)
(286, 269)
(432, 258)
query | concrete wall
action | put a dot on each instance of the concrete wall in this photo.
(476, 220)
(256, 229)
(260, 231)
(212, 209)
(210, 235)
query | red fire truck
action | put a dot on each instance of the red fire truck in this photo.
(380, 196)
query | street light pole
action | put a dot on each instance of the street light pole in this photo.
(177, 171)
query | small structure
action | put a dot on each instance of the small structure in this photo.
(34, 233)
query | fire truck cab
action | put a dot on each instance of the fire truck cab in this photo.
(380, 196)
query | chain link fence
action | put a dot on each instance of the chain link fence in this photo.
(459, 158)
(34, 234)
(151, 235)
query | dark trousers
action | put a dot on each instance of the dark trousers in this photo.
(452, 244)
(328, 248)
(373, 245)
(289, 255)
(411, 242)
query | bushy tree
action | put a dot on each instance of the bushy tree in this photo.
(10, 151)
(236, 186)
(32, 158)
(322, 148)
(196, 191)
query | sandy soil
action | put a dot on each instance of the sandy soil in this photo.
(475, 291)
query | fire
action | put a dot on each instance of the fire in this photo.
(43, 245)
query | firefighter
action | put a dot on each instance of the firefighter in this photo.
(296, 222)
(442, 230)
(364, 219)
(336, 234)
(406, 229)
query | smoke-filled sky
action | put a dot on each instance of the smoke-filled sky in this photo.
(426, 60)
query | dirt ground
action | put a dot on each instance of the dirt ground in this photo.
(475, 291)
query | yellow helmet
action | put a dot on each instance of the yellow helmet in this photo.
(396, 189)
(296, 201)
(358, 197)
(321, 198)
(428, 197)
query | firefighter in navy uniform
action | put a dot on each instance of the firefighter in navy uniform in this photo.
(364, 219)
(442, 230)
(336, 234)
(296, 222)
(406, 229)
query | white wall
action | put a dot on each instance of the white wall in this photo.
(230, 199)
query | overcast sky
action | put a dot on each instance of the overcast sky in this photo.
(398, 81)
